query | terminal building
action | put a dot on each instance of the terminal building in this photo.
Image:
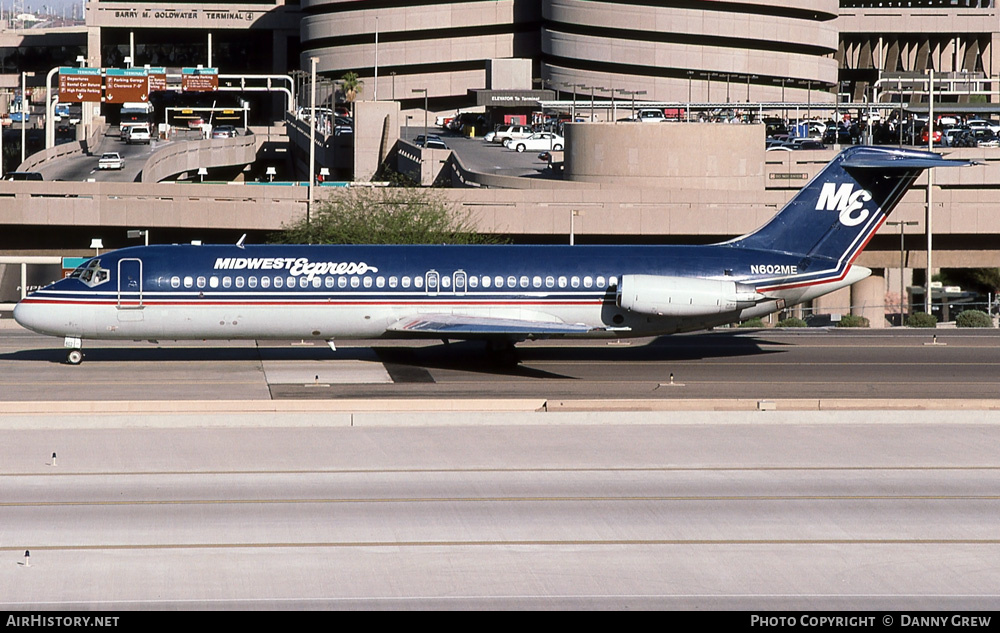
(451, 55)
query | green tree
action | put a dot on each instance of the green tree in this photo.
(385, 215)
(351, 85)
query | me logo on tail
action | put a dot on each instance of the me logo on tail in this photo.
(850, 203)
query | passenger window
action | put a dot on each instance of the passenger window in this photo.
(562, 282)
(600, 282)
(446, 282)
(303, 282)
(550, 282)
(188, 282)
(588, 282)
(317, 283)
(201, 282)
(613, 281)
(355, 282)
(368, 282)
(418, 282)
(278, 281)
(393, 282)
(486, 281)
(239, 282)
(524, 281)
(227, 282)
(175, 282)
(473, 281)
(265, 282)
(341, 282)
(252, 282)
(511, 281)
(575, 282)
(290, 282)
(380, 282)
(406, 282)
(213, 282)
(330, 282)
(536, 281)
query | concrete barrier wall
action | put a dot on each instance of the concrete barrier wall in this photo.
(177, 158)
(689, 155)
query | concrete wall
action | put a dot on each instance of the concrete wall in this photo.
(676, 155)
(376, 130)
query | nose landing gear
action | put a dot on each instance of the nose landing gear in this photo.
(74, 353)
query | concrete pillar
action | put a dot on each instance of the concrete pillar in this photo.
(868, 298)
(838, 302)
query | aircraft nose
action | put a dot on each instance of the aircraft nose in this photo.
(30, 315)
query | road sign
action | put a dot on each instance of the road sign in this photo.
(199, 79)
(126, 85)
(78, 85)
(157, 79)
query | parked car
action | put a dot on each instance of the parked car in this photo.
(650, 116)
(111, 160)
(985, 137)
(537, 142)
(925, 135)
(505, 132)
(224, 131)
(433, 142)
(195, 122)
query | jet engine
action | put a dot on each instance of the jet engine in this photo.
(684, 296)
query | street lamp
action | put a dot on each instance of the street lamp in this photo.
(423, 90)
(902, 264)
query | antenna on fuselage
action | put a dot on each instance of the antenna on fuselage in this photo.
(239, 242)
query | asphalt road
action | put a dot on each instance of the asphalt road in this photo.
(765, 364)
(765, 516)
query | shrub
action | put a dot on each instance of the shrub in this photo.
(973, 318)
(754, 322)
(921, 319)
(853, 320)
(792, 322)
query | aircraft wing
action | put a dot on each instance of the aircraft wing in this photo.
(457, 325)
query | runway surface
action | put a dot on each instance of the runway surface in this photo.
(821, 510)
(852, 516)
(950, 364)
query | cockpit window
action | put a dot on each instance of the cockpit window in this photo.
(91, 273)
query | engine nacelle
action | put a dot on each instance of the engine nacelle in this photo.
(684, 296)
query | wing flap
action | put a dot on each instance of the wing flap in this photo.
(458, 325)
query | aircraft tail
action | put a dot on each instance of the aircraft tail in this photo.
(835, 215)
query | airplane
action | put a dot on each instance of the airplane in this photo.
(502, 294)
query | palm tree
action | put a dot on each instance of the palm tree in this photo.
(351, 85)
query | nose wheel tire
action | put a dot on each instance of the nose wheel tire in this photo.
(74, 357)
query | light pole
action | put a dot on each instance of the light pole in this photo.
(25, 108)
(312, 141)
(690, 75)
(902, 265)
(928, 299)
(423, 90)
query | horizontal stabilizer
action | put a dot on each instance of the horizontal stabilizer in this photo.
(456, 325)
(890, 161)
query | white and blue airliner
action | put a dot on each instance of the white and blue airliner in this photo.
(500, 294)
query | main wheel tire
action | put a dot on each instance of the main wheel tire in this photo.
(557, 148)
(74, 357)
(520, 147)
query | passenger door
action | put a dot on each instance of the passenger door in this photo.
(130, 284)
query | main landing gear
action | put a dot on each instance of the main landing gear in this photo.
(74, 353)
